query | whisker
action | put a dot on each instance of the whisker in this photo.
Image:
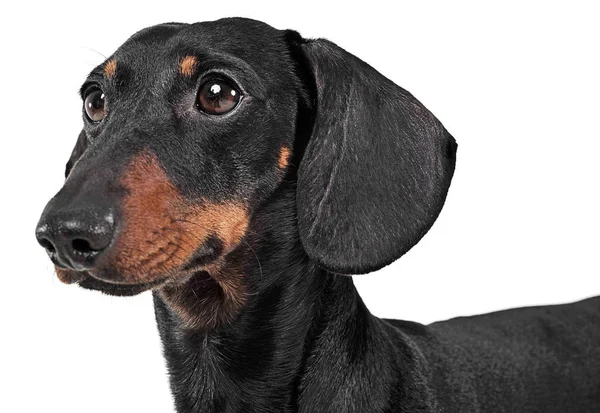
(195, 295)
(187, 232)
(95, 51)
(172, 254)
(256, 256)
(189, 245)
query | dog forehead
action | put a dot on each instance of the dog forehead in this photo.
(255, 42)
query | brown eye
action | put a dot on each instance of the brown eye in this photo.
(94, 105)
(217, 97)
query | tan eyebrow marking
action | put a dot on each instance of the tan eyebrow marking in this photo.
(187, 65)
(284, 157)
(110, 68)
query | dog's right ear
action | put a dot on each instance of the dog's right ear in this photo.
(78, 150)
(377, 166)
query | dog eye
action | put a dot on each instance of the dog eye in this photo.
(94, 105)
(217, 97)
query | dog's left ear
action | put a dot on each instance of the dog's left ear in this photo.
(376, 169)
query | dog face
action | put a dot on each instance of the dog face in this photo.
(188, 129)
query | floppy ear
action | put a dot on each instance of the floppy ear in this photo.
(78, 150)
(377, 167)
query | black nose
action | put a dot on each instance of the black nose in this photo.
(75, 239)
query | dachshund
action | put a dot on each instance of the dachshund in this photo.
(240, 172)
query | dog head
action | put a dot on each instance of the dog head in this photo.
(189, 129)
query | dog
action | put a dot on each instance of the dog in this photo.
(239, 172)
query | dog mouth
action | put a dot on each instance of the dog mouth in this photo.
(121, 290)
(88, 281)
(112, 282)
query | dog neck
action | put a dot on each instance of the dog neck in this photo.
(302, 338)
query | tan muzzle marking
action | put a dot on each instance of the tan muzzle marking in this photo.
(162, 229)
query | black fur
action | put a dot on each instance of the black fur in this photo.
(376, 171)
(368, 175)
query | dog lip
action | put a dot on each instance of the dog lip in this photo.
(56, 261)
(68, 275)
(117, 289)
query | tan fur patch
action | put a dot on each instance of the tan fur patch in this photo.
(67, 276)
(161, 232)
(161, 229)
(284, 157)
(188, 65)
(207, 299)
(110, 68)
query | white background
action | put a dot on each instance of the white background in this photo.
(516, 84)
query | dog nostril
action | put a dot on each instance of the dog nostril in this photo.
(82, 246)
(45, 242)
